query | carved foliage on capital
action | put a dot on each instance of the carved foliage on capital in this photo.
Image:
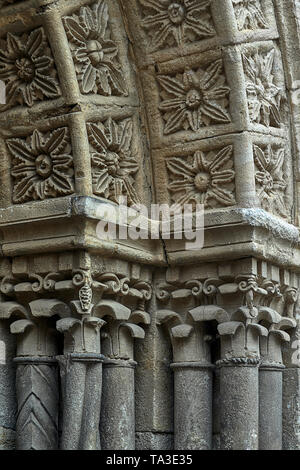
(95, 54)
(35, 330)
(188, 332)
(279, 329)
(176, 23)
(121, 329)
(205, 178)
(191, 289)
(195, 98)
(254, 329)
(26, 67)
(41, 165)
(114, 163)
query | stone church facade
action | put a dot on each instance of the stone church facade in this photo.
(143, 343)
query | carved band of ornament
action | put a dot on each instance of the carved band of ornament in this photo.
(81, 357)
(254, 293)
(108, 283)
(38, 360)
(267, 365)
(239, 361)
(191, 365)
(191, 288)
(119, 362)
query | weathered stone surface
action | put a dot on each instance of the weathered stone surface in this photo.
(159, 346)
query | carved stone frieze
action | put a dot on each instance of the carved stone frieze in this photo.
(125, 342)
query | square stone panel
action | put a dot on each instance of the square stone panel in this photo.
(27, 69)
(117, 157)
(98, 46)
(41, 165)
(265, 87)
(201, 172)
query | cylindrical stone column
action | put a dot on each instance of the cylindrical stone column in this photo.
(192, 405)
(270, 406)
(8, 402)
(37, 393)
(291, 409)
(36, 385)
(117, 428)
(81, 375)
(239, 405)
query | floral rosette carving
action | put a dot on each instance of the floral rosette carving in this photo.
(270, 179)
(249, 15)
(194, 99)
(174, 23)
(41, 167)
(264, 96)
(27, 69)
(94, 53)
(113, 164)
(203, 179)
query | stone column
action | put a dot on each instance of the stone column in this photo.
(291, 393)
(36, 385)
(8, 402)
(239, 389)
(117, 428)
(270, 406)
(7, 388)
(192, 405)
(192, 377)
(81, 376)
(270, 385)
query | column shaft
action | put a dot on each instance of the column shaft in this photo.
(82, 384)
(239, 407)
(270, 408)
(192, 406)
(291, 409)
(37, 394)
(8, 402)
(117, 427)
